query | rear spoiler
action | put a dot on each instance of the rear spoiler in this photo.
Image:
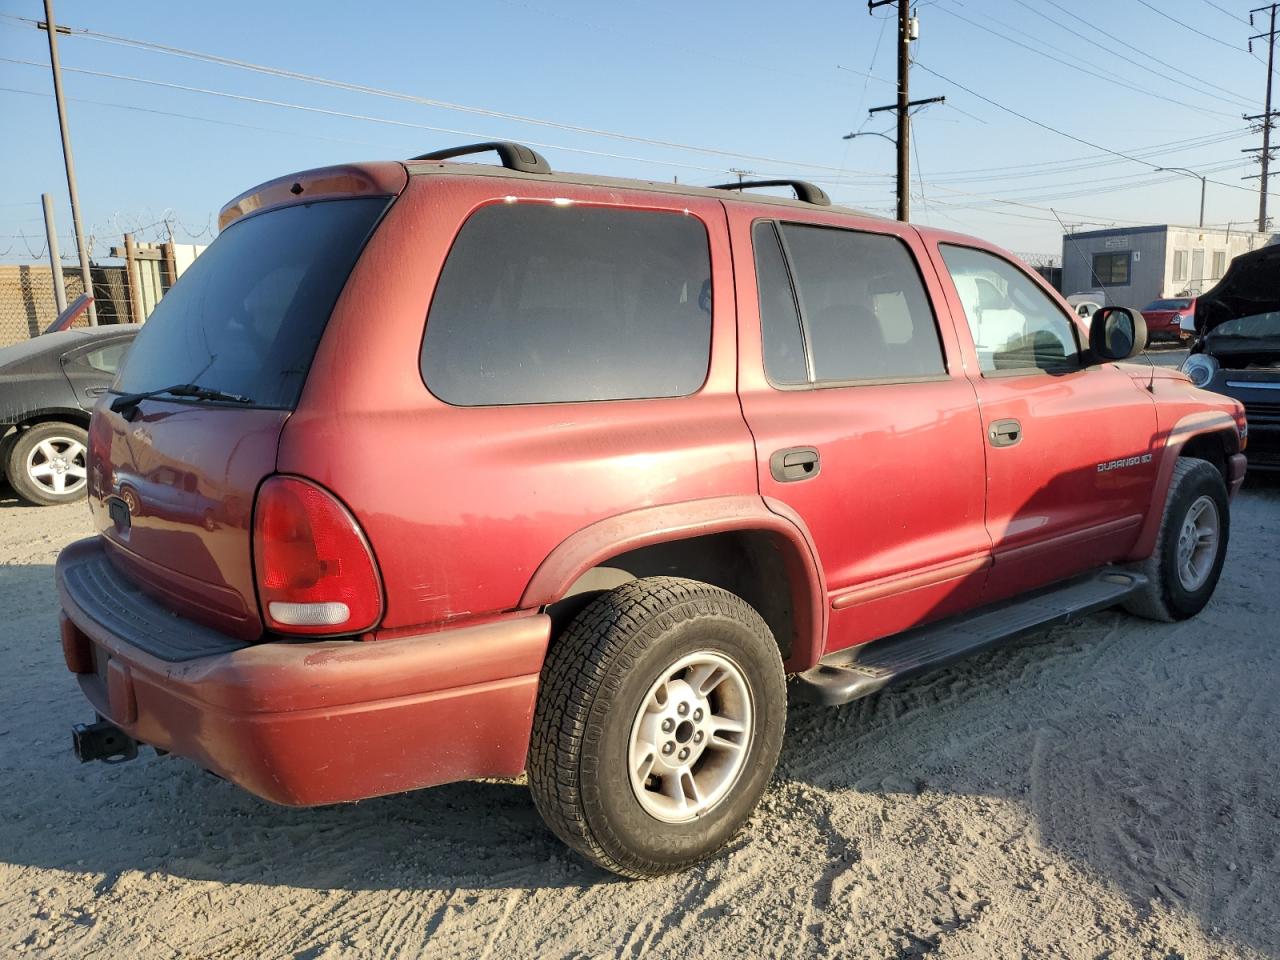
(68, 316)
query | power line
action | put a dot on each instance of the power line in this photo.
(245, 98)
(1236, 17)
(1079, 69)
(412, 98)
(1138, 50)
(1062, 133)
(1170, 72)
(186, 116)
(1187, 26)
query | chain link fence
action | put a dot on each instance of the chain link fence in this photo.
(122, 294)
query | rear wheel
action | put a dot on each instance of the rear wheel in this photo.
(48, 464)
(658, 725)
(1191, 546)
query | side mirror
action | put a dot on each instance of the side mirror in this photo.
(1117, 333)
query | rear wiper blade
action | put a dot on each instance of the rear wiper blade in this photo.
(128, 401)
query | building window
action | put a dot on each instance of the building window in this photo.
(1112, 269)
(1219, 264)
(1179, 264)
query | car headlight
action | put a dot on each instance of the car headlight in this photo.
(1200, 368)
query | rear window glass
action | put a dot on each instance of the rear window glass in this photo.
(541, 303)
(247, 316)
(1167, 305)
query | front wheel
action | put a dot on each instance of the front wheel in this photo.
(1191, 546)
(658, 725)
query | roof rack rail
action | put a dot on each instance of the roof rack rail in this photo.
(514, 156)
(806, 191)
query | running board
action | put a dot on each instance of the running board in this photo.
(862, 670)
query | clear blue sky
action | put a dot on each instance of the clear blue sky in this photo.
(746, 78)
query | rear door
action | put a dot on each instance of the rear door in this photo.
(90, 369)
(864, 422)
(1069, 448)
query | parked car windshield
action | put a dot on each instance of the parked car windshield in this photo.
(247, 316)
(1257, 327)
(1167, 305)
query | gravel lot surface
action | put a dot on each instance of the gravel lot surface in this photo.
(1110, 789)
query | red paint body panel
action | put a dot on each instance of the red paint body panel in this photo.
(872, 510)
(434, 486)
(1167, 323)
(311, 723)
(189, 474)
(480, 517)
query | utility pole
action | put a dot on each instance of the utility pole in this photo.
(1267, 117)
(50, 26)
(907, 31)
(55, 259)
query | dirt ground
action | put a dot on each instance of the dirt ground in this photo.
(1110, 789)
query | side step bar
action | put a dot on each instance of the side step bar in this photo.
(862, 670)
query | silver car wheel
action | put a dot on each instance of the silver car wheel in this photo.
(57, 465)
(691, 737)
(1198, 543)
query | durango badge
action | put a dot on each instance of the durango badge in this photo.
(1124, 462)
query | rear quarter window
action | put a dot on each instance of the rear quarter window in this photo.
(542, 303)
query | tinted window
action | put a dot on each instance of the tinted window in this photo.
(1167, 305)
(1111, 269)
(541, 303)
(865, 311)
(782, 339)
(247, 316)
(1015, 324)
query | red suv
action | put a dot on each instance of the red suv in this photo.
(428, 471)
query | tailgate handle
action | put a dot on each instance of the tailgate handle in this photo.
(795, 463)
(1005, 433)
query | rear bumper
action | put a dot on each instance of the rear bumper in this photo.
(307, 723)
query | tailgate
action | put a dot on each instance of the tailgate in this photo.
(202, 398)
(172, 494)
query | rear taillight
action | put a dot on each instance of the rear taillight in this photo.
(316, 573)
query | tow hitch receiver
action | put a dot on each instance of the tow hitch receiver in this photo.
(102, 741)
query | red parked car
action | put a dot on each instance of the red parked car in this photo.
(483, 469)
(1166, 318)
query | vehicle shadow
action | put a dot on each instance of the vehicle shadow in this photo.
(1112, 735)
(8, 498)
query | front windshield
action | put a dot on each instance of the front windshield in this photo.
(1167, 305)
(1257, 327)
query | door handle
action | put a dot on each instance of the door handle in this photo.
(95, 391)
(1005, 433)
(795, 463)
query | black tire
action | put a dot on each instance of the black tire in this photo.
(32, 489)
(595, 679)
(1166, 597)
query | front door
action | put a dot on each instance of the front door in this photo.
(864, 422)
(1070, 449)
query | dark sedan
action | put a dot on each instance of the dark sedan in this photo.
(48, 386)
(1237, 347)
